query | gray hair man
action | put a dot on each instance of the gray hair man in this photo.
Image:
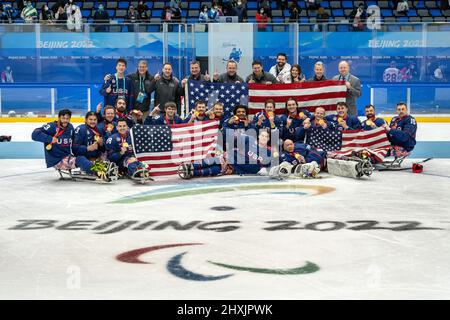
(353, 86)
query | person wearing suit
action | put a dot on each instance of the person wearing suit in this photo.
(353, 86)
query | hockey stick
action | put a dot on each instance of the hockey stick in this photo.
(403, 169)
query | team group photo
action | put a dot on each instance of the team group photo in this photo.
(224, 150)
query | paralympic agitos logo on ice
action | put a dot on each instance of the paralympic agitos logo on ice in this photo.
(176, 268)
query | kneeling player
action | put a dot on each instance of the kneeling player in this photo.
(88, 139)
(251, 157)
(300, 160)
(402, 132)
(120, 152)
(57, 137)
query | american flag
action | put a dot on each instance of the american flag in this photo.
(343, 143)
(230, 94)
(373, 141)
(324, 139)
(309, 95)
(164, 148)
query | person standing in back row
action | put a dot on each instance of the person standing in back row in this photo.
(353, 85)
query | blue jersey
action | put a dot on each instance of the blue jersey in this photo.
(162, 120)
(297, 122)
(102, 128)
(239, 125)
(351, 121)
(120, 88)
(306, 151)
(265, 124)
(62, 148)
(114, 145)
(379, 122)
(250, 157)
(84, 137)
(403, 132)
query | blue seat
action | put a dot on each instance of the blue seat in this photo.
(157, 13)
(194, 5)
(402, 19)
(252, 5)
(111, 12)
(343, 27)
(85, 13)
(338, 12)
(386, 13)
(124, 5)
(326, 4)
(420, 5)
(412, 12)
(347, 4)
(149, 4)
(192, 20)
(435, 12)
(277, 20)
(120, 20)
(251, 19)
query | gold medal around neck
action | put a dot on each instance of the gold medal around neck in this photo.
(301, 114)
(297, 156)
(340, 120)
(96, 138)
(125, 145)
(369, 122)
(110, 127)
(321, 122)
(276, 154)
(270, 114)
(48, 147)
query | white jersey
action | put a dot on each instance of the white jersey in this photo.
(392, 75)
(283, 75)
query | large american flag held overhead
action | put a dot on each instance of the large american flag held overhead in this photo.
(229, 94)
(343, 143)
(164, 148)
(309, 95)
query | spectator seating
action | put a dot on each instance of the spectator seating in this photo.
(420, 11)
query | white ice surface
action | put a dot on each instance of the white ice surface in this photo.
(364, 264)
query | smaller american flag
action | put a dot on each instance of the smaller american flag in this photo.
(324, 139)
(164, 148)
(230, 94)
(373, 141)
(151, 139)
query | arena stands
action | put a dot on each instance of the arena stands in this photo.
(338, 11)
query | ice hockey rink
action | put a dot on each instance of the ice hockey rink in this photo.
(385, 237)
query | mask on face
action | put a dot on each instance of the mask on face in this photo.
(100, 7)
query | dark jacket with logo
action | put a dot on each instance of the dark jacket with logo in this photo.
(265, 77)
(147, 88)
(167, 90)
